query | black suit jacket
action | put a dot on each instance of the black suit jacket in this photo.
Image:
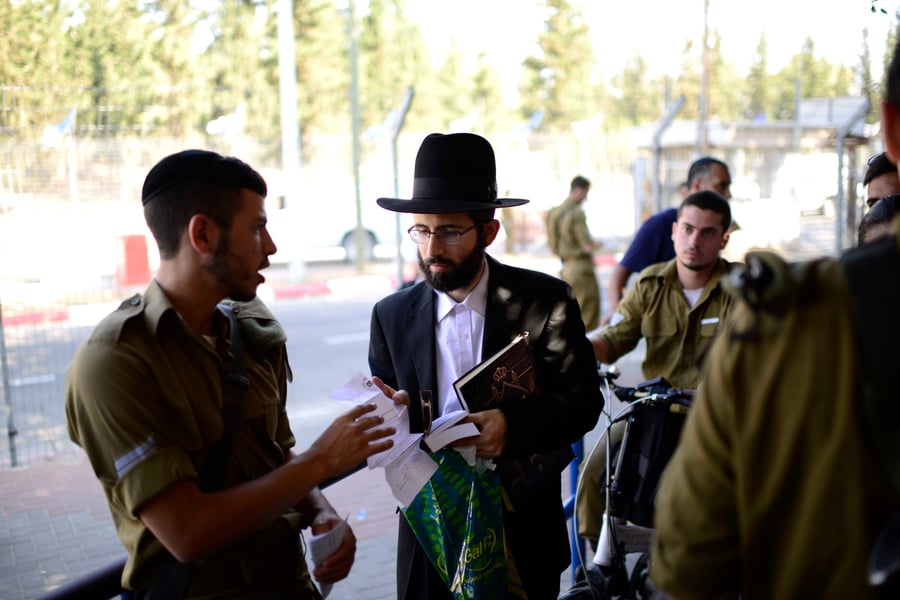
(402, 353)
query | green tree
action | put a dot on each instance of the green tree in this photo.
(688, 82)
(32, 50)
(486, 97)
(241, 68)
(758, 82)
(559, 81)
(109, 54)
(394, 56)
(453, 95)
(178, 81)
(869, 87)
(723, 84)
(323, 69)
(890, 43)
(637, 97)
(817, 79)
(380, 87)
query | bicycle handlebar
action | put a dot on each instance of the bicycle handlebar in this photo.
(650, 391)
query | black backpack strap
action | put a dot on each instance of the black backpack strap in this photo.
(873, 276)
(234, 385)
(172, 576)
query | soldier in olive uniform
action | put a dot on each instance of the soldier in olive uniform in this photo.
(678, 306)
(145, 392)
(571, 240)
(788, 466)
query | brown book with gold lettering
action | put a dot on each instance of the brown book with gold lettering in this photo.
(509, 376)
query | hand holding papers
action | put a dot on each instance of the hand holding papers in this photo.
(324, 545)
(407, 467)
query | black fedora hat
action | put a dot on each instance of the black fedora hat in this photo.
(455, 172)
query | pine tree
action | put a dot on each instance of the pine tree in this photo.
(757, 90)
(559, 82)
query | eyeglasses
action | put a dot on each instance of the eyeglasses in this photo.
(448, 237)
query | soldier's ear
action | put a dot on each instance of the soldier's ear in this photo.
(203, 234)
(890, 130)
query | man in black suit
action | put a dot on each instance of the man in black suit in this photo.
(467, 308)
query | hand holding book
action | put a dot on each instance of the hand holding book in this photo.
(507, 377)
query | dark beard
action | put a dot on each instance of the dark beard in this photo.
(220, 268)
(457, 278)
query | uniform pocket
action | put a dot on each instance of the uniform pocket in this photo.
(658, 325)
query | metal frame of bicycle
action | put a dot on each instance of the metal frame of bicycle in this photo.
(620, 537)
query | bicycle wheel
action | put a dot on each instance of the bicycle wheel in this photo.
(642, 586)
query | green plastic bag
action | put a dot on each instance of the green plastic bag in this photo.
(458, 519)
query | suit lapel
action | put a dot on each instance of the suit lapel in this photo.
(419, 326)
(500, 308)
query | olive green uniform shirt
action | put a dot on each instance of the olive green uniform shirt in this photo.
(771, 492)
(578, 263)
(677, 335)
(574, 236)
(144, 400)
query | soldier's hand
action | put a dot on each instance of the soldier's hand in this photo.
(336, 566)
(352, 438)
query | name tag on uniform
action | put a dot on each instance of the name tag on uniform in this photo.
(709, 321)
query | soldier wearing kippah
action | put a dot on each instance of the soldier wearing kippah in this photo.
(185, 424)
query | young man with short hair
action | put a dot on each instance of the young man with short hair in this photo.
(149, 397)
(787, 472)
(653, 243)
(678, 307)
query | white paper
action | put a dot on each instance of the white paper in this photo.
(360, 389)
(396, 416)
(407, 467)
(409, 474)
(356, 391)
(443, 437)
(324, 545)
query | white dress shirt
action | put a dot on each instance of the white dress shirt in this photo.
(459, 335)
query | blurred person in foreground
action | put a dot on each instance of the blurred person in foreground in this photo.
(678, 306)
(569, 238)
(145, 395)
(788, 467)
(653, 241)
(880, 179)
(468, 307)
